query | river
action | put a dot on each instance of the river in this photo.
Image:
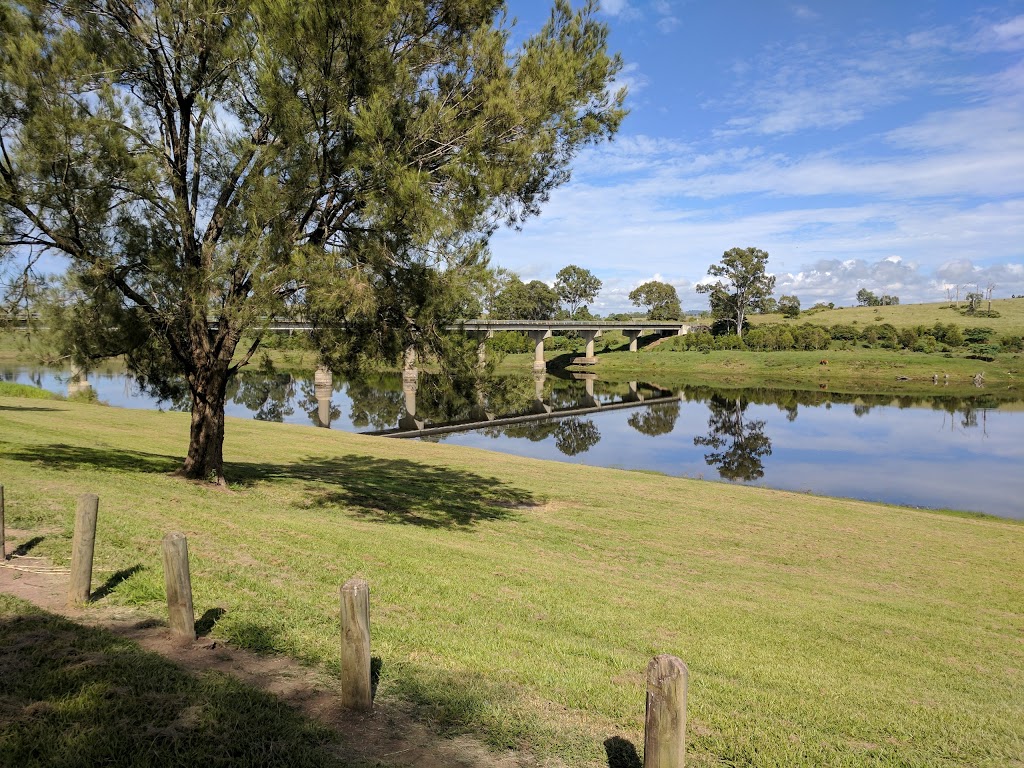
(935, 452)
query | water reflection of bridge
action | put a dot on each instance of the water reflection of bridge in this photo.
(411, 424)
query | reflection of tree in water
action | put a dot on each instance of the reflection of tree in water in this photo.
(575, 435)
(265, 393)
(374, 403)
(659, 419)
(739, 445)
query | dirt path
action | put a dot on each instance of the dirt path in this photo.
(389, 735)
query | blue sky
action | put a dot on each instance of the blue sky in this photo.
(873, 145)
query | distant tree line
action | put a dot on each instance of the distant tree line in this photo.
(770, 337)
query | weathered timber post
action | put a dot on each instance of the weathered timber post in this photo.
(665, 725)
(3, 526)
(178, 583)
(356, 692)
(82, 546)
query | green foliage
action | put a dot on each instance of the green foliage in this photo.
(789, 306)
(661, 300)
(977, 334)
(576, 287)
(525, 301)
(204, 167)
(1012, 342)
(744, 287)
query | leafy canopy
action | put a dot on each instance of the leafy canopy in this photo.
(661, 300)
(742, 288)
(576, 287)
(205, 165)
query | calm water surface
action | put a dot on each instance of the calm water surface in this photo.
(941, 452)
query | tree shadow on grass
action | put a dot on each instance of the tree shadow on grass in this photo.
(60, 456)
(385, 490)
(77, 696)
(396, 490)
(26, 408)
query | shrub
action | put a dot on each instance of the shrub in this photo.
(1012, 343)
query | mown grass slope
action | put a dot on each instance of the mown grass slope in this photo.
(521, 600)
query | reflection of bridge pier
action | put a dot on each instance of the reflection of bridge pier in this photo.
(79, 381)
(538, 405)
(634, 395)
(589, 399)
(323, 388)
(410, 383)
(479, 411)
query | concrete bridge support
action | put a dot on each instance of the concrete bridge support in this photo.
(481, 346)
(633, 334)
(537, 337)
(589, 358)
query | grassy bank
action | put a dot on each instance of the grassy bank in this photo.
(521, 600)
(849, 370)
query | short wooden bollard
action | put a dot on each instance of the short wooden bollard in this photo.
(665, 726)
(180, 614)
(3, 527)
(356, 692)
(82, 547)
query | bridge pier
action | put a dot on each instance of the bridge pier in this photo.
(588, 357)
(481, 346)
(537, 337)
(633, 334)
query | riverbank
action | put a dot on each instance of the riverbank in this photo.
(866, 371)
(520, 600)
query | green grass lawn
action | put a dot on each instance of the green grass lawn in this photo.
(520, 600)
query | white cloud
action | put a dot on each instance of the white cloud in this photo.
(804, 13)
(1006, 35)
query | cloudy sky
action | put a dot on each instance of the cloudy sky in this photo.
(875, 144)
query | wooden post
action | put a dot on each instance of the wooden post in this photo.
(3, 526)
(179, 586)
(355, 645)
(665, 726)
(82, 548)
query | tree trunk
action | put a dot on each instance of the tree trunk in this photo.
(205, 459)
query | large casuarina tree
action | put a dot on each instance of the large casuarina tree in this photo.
(742, 287)
(202, 165)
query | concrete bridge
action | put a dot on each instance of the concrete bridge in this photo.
(538, 330)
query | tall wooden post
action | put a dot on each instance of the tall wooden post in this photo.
(665, 726)
(82, 546)
(180, 614)
(3, 527)
(356, 692)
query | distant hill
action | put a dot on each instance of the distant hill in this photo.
(1010, 316)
